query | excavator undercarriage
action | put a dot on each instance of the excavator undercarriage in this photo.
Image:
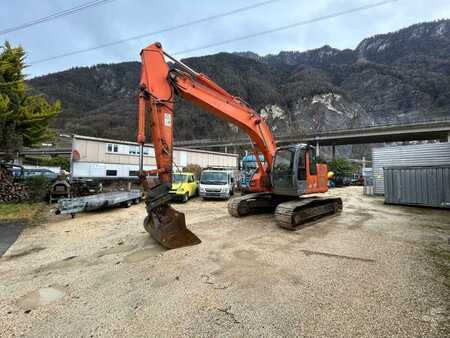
(290, 212)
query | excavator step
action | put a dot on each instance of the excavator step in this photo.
(295, 214)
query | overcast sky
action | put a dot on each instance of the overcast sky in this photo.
(121, 19)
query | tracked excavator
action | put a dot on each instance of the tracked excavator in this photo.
(278, 184)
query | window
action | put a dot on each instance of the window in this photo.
(133, 173)
(112, 148)
(191, 179)
(214, 177)
(134, 150)
(179, 178)
(111, 172)
(283, 161)
(301, 173)
(312, 161)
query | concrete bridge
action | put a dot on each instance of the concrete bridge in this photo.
(432, 130)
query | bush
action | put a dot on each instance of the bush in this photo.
(341, 167)
(37, 187)
(193, 168)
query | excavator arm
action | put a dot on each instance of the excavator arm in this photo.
(159, 84)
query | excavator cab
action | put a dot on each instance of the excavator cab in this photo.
(291, 167)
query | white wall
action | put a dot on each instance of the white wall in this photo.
(90, 169)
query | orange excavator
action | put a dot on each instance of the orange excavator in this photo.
(286, 174)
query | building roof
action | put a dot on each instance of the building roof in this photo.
(106, 140)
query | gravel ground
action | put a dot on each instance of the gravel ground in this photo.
(367, 272)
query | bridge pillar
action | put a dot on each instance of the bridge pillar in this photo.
(448, 137)
(333, 151)
(317, 149)
(226, 149)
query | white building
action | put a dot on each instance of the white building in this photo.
(98, 157)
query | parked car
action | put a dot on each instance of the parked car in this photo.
(50, 175)
(183, 187)
(217, 184)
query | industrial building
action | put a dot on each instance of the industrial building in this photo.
(106, 158)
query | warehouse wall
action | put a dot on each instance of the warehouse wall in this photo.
(409, 155)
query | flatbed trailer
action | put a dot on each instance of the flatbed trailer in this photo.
(99, 201)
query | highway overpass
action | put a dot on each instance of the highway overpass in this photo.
(433, 130)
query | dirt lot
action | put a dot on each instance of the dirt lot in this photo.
(374, 270)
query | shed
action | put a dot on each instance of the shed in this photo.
(414, 155)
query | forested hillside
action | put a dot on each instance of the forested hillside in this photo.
(398, 77)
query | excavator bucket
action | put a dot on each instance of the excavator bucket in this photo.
(168, 227)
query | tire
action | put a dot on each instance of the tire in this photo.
(127, 204)
(185, 197)
(136, 201)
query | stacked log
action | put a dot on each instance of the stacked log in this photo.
(11, 191)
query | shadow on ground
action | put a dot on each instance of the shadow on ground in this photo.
(9, 232)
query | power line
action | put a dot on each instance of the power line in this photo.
(164, 30)
(55, 15)
(245, 37)
(296, 24)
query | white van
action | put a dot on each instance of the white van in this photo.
(215, 183)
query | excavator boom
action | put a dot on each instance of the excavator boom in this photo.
(158, 86)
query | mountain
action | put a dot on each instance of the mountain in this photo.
(398, 77)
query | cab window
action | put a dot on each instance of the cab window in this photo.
(191, 179)
(312, 161)
(301, 172)
(283, 161)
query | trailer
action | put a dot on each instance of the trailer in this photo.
(99, 201)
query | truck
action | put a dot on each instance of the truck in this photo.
(217, 183)
(248, 168)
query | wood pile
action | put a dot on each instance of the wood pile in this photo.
(11, 191)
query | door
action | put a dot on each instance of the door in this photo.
(283, 178)
(192, 184)
(301, 171)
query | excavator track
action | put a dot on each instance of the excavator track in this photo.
(260, 202)
(293, 215)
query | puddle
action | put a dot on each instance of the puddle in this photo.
(40, 297)
(142, 255)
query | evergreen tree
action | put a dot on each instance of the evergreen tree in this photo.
(23, 118)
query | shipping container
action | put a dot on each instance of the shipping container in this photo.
(429, 154)
(421, 186)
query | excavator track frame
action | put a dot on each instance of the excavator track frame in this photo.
(291, 213)
(296, 214)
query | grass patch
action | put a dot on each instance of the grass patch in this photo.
(31, 213)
